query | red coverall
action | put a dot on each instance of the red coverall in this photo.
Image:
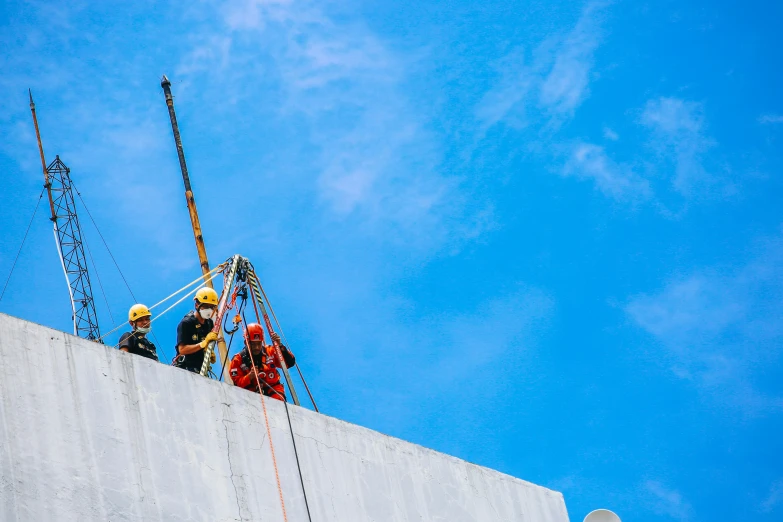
(266, 364)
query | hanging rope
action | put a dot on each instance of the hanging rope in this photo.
(23, 240)
(296, 455)
(104, 241)
(100, 284)
(271, 445)
(261, 383)
(293, 440)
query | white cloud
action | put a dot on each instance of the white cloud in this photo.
(774, 498)
(505, 101)
(616, 181)
(771, 118)
(680, 146)
(610, 135)
(556, 82)
(667, 502)
(721, 328)
(679, 136)
(566, 85)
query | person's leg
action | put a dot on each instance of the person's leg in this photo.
(279, 392)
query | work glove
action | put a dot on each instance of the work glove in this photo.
(213, 358)
(211, 336)
(275, 338)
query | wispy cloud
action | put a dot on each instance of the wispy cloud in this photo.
(721, 327)
(771, 118)
(555, 82)
(774, 498)
(370, 158)
(667, 502)
(675, 133)
(678, 135)
(617, 181)
(567, 83)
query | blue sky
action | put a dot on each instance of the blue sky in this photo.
(544, 237)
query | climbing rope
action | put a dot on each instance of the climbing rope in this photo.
(296, 455)
(261, 383)
(212, 275)
(203, 278)
(271, 444)
(266, 418)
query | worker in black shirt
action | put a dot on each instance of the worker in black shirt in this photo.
(136, 342)
(194, 332)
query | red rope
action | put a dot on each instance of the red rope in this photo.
(266, 418)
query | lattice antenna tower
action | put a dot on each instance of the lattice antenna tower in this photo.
(69, 241)
(68, 236)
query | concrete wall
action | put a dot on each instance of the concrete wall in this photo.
(89, 433)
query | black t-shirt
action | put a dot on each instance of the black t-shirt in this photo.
(138, 344)
(190, 331)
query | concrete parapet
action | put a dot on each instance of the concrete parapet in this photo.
(88, 433)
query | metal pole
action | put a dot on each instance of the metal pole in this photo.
(47, 181)
(191, 201)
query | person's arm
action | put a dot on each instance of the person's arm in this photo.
(125, 340)
(187, 349)
(238, 376)
(289, 358)
(184, 348)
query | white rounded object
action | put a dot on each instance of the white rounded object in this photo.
(602, 515)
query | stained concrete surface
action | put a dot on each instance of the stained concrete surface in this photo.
(88, 433)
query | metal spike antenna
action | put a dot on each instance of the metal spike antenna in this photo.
(47, 183)
(191, 202)
(68, 238)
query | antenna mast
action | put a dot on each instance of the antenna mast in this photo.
(68, 237)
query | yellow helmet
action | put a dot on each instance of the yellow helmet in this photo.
(207, 296)
(138, 311)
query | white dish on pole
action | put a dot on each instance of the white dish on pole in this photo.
(602, 515)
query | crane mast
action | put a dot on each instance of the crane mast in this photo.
(190, 200)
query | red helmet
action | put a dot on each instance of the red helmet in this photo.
(254, 332)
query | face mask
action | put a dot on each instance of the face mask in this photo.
(206, 313)
(143, 330)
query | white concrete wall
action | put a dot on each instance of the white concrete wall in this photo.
(89, 433)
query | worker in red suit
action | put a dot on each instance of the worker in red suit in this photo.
(262, 369)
